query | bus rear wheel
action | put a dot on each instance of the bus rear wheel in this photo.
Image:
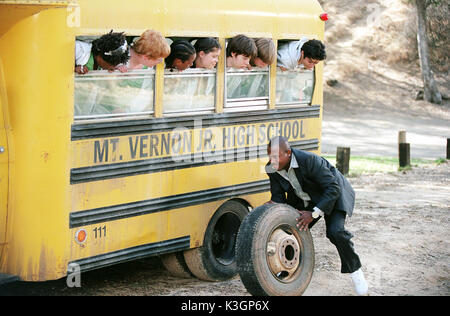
(215, 259)
(273, 256)
(176, 265)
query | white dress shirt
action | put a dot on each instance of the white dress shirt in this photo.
(296, 185)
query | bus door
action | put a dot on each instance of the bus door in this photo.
(3, 163)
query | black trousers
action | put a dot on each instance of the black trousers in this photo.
(340, 237)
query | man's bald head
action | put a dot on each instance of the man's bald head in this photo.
(279, 142)
(279, 152)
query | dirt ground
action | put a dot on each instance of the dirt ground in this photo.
(401, 233)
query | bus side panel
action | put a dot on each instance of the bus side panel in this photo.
(318, 99)
(37, 54)
(134, 206)
(3, 165)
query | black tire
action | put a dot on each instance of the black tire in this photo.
(215, 259)
(176, 265)
(255, 254)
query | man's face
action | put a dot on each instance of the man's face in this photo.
(279, 158)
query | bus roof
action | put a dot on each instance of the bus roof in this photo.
(282, 19)
(12, 11)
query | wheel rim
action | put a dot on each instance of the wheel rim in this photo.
(224, 238)
(284, 254)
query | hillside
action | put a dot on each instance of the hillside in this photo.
(372, 53)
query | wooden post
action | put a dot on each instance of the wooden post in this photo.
(401, 137)
(448, 148)
(404, 158)
(403, 155)
(343, 159)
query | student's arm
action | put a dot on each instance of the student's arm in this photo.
(81, 69)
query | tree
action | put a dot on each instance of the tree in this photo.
(431, 92)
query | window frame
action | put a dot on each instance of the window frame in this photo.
(296, 103)
(227, 104)
(247, 104)
(244, 104)
(190, 72)
(104, 73)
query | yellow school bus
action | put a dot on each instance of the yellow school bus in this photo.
(174, 172)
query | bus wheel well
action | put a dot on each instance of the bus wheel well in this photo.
(243, 202)
(215, 259)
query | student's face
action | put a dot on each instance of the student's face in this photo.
(279, 158)
(103, 64)
(208, 61)
(259, 63)
(238, 61)
(308, 62)
(183, 65)
(151, 62)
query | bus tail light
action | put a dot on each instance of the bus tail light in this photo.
(324, 16)
(81, 236)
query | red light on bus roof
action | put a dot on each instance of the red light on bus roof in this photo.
(324, 16)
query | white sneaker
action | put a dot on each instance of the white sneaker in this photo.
(359, 282)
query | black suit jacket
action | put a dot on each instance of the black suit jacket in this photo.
(328, 189)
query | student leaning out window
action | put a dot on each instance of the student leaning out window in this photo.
(303, 53)
(106, 52)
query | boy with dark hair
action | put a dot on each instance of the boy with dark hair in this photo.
(240, 50)
(304, 53)
(314, 49)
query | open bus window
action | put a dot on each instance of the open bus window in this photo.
(294, 86)
(99, 94)
(245, 89)
(191, 90)
(295, 82)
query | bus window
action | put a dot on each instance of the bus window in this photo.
(100, 94)
(295, 79)
(191, 90)
(294, 86)
(246, 89)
